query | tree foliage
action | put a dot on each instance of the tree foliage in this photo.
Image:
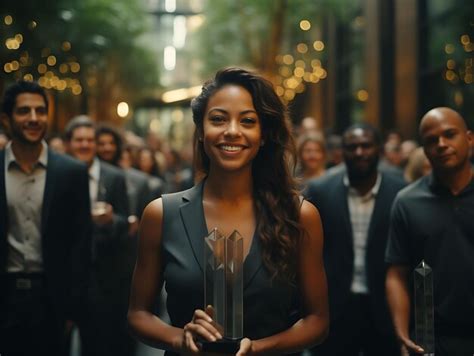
(96, 45)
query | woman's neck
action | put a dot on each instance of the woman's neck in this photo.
(232, 186)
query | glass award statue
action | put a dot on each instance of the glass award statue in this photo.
(223, 289)
(424, 313)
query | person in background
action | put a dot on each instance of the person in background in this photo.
(311, 156)
(109, 144)
(146, 162)
(56, 143)
(334, 151)
(243, 144)
(418, 166)
(109, 149)
(3, 140)
(392, 155)
(178, 175)
(355, 205)
(432, 221)
(104, 330)
(45, 226)
(407, 147)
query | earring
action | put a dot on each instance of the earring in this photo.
(200, 139)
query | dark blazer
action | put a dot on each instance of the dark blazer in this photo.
(138, 191)
(270, 305)
(329, 195)
(110, 272)
(65, 232)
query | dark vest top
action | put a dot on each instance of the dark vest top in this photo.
(270, 305)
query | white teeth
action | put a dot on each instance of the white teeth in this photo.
(231, 148)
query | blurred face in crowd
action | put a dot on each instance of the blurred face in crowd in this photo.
(393, 154)
(146, 161)
(446, 140)
(3, 141)
(82, 145)
(57, 145)
(106, 147)
(126, 160)
(28, 122)
(312, 156)
(361, 153)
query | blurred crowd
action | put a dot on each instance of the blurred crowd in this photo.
(352, 179)
(321, 153)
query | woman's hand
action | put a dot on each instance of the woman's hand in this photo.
(201, 327)
(245, 348)
(408, 346)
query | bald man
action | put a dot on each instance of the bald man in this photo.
(433, 220)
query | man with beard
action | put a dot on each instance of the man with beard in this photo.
(44, 231)
(432, 221)
(354, 205)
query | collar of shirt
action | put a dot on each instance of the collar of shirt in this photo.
(94, 170)
(10, 155)
(371, 193)
(438, 187)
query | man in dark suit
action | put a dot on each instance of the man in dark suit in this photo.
(104, 331)
(354, 205)
(44, 231)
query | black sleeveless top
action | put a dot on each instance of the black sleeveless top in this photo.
(270, 305)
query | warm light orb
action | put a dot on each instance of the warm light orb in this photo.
(465, 39)
(318, 45)
(305, 25)
(51, 60)
(122, 109)
(362, 95)
(449, 48)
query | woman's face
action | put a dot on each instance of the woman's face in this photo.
(312, 156)
(145, 161)
(232, 133)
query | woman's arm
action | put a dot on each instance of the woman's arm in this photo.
(313, 328)
(146, 284)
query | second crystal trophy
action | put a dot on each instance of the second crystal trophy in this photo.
(424, 312)
(223, 289)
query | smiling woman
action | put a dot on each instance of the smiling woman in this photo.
(231, 131)
(242, 145)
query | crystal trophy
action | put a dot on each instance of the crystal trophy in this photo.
(223, 289)
(424, 313)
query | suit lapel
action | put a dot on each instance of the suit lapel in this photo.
(377, 212)
(340, 201)
(51, 175)
(192, 216)
(102, 191)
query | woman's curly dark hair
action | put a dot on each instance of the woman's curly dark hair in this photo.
(275, 194)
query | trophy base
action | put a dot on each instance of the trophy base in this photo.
(222, 346)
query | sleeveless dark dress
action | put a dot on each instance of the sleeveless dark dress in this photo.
(270, 305)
